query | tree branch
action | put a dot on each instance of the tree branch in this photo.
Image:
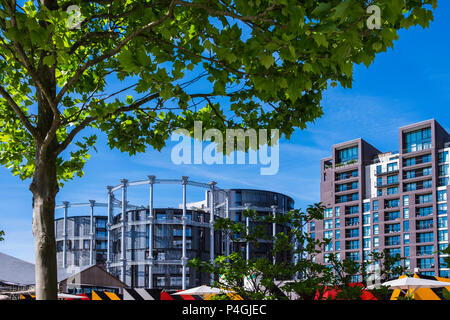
(112, 52)
(23, 118)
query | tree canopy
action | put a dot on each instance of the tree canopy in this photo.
(258, 64)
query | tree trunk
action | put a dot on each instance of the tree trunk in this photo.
(44, 188)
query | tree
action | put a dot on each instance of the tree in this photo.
(260, 278)
(136, 70)
(2, 233)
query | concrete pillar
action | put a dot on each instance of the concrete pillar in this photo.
(66, 208)
(108, 225)
(123, 256)
(184, 258)
(91, 234)
(151, 181)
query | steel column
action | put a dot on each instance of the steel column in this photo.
(151, 180)
(91, 233)
(123, 231)
(184, 181)
(66, 208)
(211, 225)
(108, 225)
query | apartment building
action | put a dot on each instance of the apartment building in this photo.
(395, 200)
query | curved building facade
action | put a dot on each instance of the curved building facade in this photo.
(149, 247)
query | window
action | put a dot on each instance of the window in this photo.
(366, 218)
(328, 213)
(424, 224)
(442, 235)
(406, 252)
(391, 228)
(352, 210)
(425, 250)
(425, 211)
(442, 222)
(406, 238)
(312, 226)
(443, 156)
(351, 245)
(329, 247)
(424, 198)
(367, 243)
(442, 182)
(390, 216)
(442, 208)
(328, 234)
(443, 170)
(337, 211)
(376, 229)
(375, 205)
(391, 167)
(425, 237)
(405, 201)
(375, 217)
(328, 224)
(337, 234)
(376, 241)
(392, 241)
(392, 203)
(337, 245)
(427, 263)
(337, 223)
(366, 231)
(442, 195)
(347, 155)
(352, 233)
(417, 140)
(366, 207)
(379, 169)
(405, 213)
(393, 190)
(405, 225)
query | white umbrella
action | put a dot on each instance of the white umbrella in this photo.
(68, 296)
(409, 283)
(203, 290)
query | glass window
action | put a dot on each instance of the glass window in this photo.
(405, 225)
(376, 229)
(442, 222)
(442, 208)
(337, 211)
(347, 155)
(375, 205)
(417, 140)
(313, 226)
(406, 238)
(366, 207)
(337, 223)
(442, 195)
(328, 224)
(328, 213)
(405, 213)
(366, 231)
(443, 156)
(442, 235)
(375, 217)
(392, 167)
(366, 218)
(376, 241)
(337, 234)
(338, 245)
(405, 201)
(406, 251)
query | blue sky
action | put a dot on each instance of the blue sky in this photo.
(408, 84)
